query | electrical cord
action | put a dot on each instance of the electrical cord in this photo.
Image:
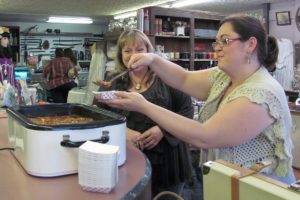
(7, 148)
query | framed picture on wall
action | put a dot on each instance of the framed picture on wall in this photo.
(283, 18)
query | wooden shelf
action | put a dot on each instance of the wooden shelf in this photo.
(205, 60)
(194, 20)
(172, 36)
(205, 38)
(184, 60)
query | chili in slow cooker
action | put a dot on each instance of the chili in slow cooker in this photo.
(58, 120)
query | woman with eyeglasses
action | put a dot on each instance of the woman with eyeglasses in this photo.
(246, 118)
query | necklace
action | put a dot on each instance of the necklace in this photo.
(138, 86)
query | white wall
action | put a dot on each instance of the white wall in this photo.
(81, 28)
(64, 28)
(289, 31)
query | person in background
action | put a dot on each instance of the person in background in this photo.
(169, 156)
(246, 118)
(56, 76)
(68, 52)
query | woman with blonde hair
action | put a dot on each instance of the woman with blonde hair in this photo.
(169, 156)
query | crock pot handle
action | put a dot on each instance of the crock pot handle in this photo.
(71, 144)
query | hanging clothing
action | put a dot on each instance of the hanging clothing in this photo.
(96, 72)
(284, 72)
(296, 82)
(7, 71)
(8, 84)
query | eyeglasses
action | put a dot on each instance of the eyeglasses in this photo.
(223, 42)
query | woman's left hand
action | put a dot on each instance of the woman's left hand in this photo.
(150, 138)
(131, 101)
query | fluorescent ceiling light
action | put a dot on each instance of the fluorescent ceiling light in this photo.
(184, 3)
(126, 15)
(70, 20)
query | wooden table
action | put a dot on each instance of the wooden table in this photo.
(15, 184)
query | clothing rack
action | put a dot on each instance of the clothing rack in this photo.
(297, 53)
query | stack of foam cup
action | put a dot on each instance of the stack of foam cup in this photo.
(98, 167)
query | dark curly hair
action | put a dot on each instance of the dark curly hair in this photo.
(68, 52)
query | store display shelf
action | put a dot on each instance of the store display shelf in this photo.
(205, 38)
(184, 60)
(173, 36)
(203, 60)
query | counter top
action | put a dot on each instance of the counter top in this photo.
(15, 183)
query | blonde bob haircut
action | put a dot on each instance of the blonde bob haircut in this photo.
(128, 37)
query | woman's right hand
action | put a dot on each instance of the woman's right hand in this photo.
(102, 83)
(132, 136)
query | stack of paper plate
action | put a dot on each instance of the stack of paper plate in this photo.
(98, 166)
(105, 95)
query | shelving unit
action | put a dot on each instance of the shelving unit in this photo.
(189, 43)
(205, 30)
(31, 44)
(75, 34)
(168, 36)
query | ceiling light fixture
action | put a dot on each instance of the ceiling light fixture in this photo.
(184, 3)
(70, 20)
(126, 15)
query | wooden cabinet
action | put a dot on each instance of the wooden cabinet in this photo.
(205, 31)
(185, 37)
